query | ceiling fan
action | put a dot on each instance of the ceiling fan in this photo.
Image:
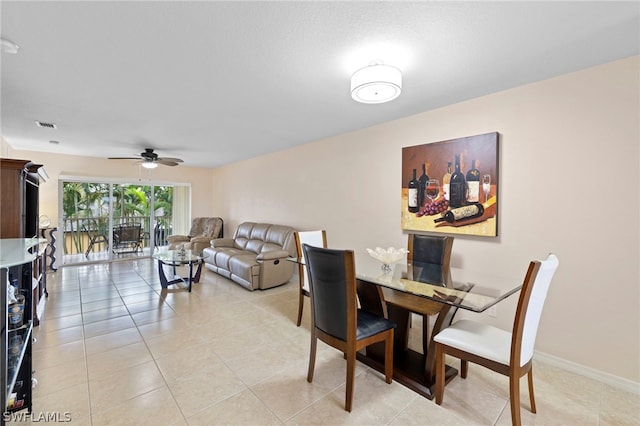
(150, 160)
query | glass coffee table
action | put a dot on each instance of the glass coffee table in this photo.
(174, 258)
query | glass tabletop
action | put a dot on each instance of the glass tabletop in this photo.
(176, 257)
(472, 290)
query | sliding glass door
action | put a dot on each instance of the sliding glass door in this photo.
(104, 221)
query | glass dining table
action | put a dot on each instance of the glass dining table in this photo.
(424, 289)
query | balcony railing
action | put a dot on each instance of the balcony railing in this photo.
(91, 234)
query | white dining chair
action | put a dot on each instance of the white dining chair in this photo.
(509, 354)
(312, 238)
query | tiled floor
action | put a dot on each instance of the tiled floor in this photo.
(113, 349)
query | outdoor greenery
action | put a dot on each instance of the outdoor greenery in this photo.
(86, 208)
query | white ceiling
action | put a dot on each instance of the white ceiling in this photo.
(218, 82)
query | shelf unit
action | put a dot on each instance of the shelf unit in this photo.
(17, 257)
(23, 267)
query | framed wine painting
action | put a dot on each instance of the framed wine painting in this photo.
(452, 186)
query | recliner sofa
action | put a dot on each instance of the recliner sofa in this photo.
(255, 257)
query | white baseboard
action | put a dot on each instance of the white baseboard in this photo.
(609, 379)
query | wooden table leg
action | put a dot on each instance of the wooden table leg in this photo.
(413, 369)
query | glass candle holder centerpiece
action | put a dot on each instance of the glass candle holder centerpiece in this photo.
(387, 256)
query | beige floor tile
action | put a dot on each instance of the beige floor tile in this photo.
(93, 287)
(240, 409)
(142, 288)
(158, 328)
(619, 407)
(116, 339)
(54, 310)
(101, 304)
(102, 364)
(73, 400)
(57, 355)
(52, 324)
(149, 305)
(187, 359)
(104, 314)
(57, 337)
(374, 403)
(141, 297)
(148, 317)
(156, 407)
(59, 377)
(200, 389)
(123, 385)
(100, 295)
(261, 364)
(288, 392)
(108, 326)
(166, 344)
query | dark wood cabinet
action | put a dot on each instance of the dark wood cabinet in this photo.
(19, 183)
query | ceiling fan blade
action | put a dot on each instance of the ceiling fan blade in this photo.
(173, 160)
(166, 162)
(123, 158)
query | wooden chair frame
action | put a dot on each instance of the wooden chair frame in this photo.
(302, 271)
(352, 344)
(514, 371)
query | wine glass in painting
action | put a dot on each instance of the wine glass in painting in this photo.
(433, 189)
(486, 186)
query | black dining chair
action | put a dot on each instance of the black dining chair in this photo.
(428, 258)
(337, 321)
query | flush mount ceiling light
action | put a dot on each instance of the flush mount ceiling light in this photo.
(376, 84)
(8, 46)
(149, 165)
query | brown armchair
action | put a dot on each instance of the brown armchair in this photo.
(203, 230)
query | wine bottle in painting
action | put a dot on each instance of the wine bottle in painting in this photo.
(457, 186)
(422, 182)
(445, 181)
(473, 183)
(470, 211)
(412, 193)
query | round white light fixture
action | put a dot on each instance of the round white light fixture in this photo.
(376, 84)
(149, 165)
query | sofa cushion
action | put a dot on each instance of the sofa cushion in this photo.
(254, 246)
(259, 231)
(222, 256)
(280, 237)
(243, 235)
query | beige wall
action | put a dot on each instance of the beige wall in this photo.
(57, 165)
(569, 180)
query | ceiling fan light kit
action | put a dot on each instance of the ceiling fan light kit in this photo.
(150, 160)
(149, 165)
(376, 84)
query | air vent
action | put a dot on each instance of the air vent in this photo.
(46, 125)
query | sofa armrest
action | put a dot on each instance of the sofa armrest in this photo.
(273, 254)
(178, 238)
(222, 242)
(201, 239)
